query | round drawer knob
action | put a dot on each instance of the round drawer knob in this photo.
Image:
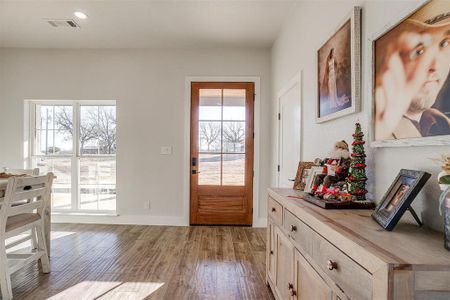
(293, 293)
(293, 228)
(271, 252)
(331, 265)
(290, 286)
(273, 209)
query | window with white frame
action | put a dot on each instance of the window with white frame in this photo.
(76, 140)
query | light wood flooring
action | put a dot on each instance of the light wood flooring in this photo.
(149, 262)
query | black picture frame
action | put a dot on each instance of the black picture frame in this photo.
(399, 197)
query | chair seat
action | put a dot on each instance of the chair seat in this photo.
(20, 220)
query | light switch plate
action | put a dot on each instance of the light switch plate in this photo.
(166, 150)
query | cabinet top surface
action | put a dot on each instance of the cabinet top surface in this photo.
(356, 233)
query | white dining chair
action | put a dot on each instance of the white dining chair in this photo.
(15, 220)
(32, 172)
(29, 172)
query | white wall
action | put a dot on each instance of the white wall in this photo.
(149, 86)
(1, 110)
(308, 27)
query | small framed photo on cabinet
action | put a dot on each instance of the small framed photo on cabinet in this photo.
(303, 170)
(399, 197)
(313, 173)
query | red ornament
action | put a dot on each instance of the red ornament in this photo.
(359, 166)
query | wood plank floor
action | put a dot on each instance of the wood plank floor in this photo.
(149, 262)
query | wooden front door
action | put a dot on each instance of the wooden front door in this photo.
(222, 153)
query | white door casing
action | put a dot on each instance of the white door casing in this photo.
(289, 131)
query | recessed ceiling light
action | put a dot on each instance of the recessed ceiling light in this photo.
(80, 15)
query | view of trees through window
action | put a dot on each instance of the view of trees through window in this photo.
(86, 177)
(221, 134)
(233, 136)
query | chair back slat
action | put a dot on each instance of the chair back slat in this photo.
(30, 181)
(24, 208)
(32, 192)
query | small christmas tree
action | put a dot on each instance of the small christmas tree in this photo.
(357, 175)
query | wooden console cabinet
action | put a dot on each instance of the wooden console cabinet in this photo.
(314, 253)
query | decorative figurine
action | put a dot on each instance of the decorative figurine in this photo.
(335, 169)
(444, 199)
(357, 178)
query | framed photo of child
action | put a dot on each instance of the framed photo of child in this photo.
(338, 62)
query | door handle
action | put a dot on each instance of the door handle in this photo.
(194, 172)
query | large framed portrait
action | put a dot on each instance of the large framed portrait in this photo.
(399, 197)
(338, 62)
(411, 88)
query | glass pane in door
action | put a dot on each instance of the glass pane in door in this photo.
(209, 168)
(234, 105)
(210, 136)
(210, 105)
(233, 169)
(233, 137)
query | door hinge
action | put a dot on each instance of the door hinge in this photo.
(253, 173)
(278, 168)
(253, 135)
(279, 116)
(254, 97)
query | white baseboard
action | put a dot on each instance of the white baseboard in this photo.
(260, 223)
(132, 220)
(121, 220)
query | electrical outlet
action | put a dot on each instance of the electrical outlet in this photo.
(147, 204)
(166, 150)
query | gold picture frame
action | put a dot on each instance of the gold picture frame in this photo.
(302, 176)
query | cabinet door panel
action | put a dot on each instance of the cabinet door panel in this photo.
(284, 265)
(308, 283)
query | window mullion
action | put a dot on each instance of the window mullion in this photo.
(221, 138)
(75, 157)
(32, 134)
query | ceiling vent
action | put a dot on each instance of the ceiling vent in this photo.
(69, 23)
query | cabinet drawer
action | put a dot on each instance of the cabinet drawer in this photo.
(349, 276)
(301, 233)
(275, 211)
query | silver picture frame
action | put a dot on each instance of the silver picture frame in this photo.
(355, 67)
